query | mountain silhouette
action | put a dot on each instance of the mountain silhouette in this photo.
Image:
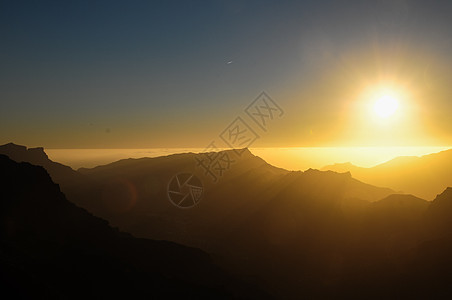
(51, 248)
(422, 176)
(315, 234)
(253, 206)
(439, 214)
(59, 173)
(132, 194)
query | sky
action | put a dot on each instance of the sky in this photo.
(142, 74)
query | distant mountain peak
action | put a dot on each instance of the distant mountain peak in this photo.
(37, 156)
(13, 150)
(344, 164)
(38, 151)
(12, 146)
(239, 152)
(401, 199)
(316, 171)
(446, 195)
(340, 167)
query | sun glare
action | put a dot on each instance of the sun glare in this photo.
(386, 106)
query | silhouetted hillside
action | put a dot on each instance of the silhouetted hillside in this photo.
(132, 195)
(253, 213)
(423, 176)
(49, 248)
(395, 224)
(439, 214)
(314, 234)
(59, 173)
(307, 233)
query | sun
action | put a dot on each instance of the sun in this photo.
(385, 106)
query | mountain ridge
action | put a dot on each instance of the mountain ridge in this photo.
(60, 173)
(71, 253)
(423, 176)
(313, 233)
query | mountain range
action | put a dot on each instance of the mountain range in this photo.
(52, 249)
(423, 176)
(317, 234)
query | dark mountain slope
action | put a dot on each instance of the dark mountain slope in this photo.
(62, 251)
(258, 220)
(439, 214)
(312, 234)
(132, 195)
(59, 173)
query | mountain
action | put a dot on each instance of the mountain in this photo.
(50, 248)
(395, 224)
(59, 173)
(428, 266)
(132, 194)
(422, 176)
(313, 234)
(439, 214)
(255, 212)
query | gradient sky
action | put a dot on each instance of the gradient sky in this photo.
(131, 74)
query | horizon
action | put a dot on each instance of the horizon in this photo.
(290, 158)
